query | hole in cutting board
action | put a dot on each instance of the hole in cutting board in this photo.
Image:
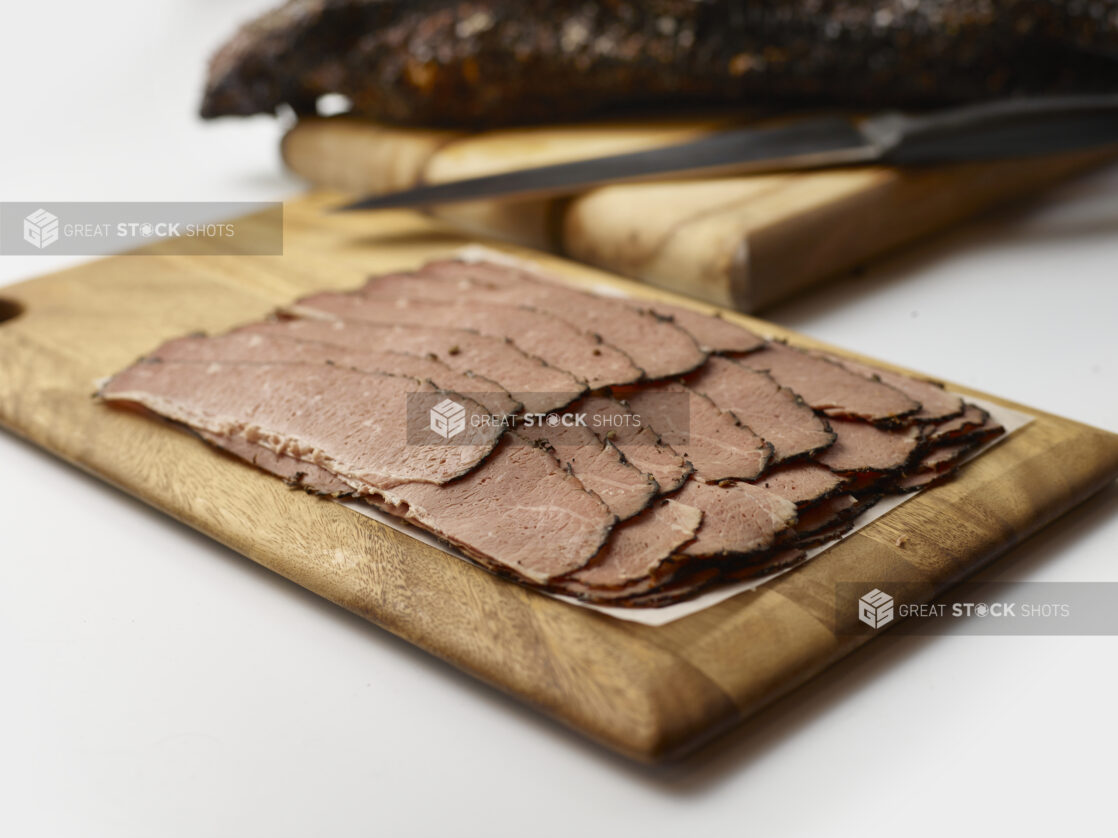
(9, 310)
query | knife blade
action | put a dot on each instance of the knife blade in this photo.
(991, 130)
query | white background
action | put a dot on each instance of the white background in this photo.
(153, 683)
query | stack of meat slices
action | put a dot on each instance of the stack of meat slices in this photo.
(777, 449)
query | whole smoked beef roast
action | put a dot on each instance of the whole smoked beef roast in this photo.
(479, 63)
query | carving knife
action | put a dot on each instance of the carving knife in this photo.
(993, 130)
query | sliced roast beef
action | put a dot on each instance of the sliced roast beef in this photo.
(536, 333)
(803, 483)
(539, 387)
(936, 464)
(773, 412)
(638, 547)
(918, 480)
(293, 471)
(936, 404)
(254, 346)
(823, 514)
(519, 511)
(862, 447)
(679, 588)
(658, 347)
(351, 423)
(974, 425)
(942, 460)
(599, 465)
(844, 518)
(322, 401)
(691, 579)
(712, 332)
(989, 430)
(972, 418)
(614, 422)
(838, 528)
(738, 518)
(943, 456)
(619, 597)
(829, 387)
(772, 562)
(712, 439)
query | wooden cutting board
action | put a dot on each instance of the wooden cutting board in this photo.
(648, 692)
(741, 242)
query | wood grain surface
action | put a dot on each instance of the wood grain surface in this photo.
(649, 692)
(741, 242)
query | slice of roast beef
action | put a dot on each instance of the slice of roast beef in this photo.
(844, 517)
(989, 430)
(679, 588)
(614, 422)
(712, 439)
(692, 580)
(935, 465)
(293, 471)
(936, 404)
(599, 465)
(974, 425)
(637, 548)
(738, 518)
(943, 456)
(772, 562)
(972, 418)
(829, 387)
(803, 483)
(536, 333)
(520, 511)
(920, 480)
(823, 514)
(712, 332)
(539, 387)
(658, 347)
(351, 423)
(254, 346)
(862, 447)
(774, 413)
(839, 528)
(619, 597)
